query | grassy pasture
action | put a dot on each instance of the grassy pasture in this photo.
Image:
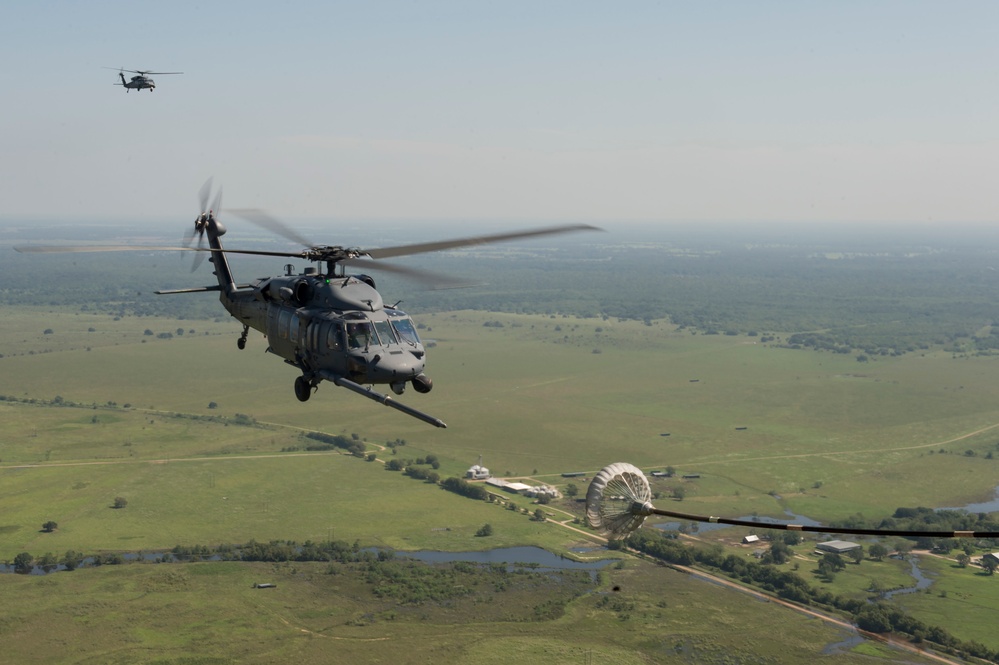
(825, 435)
(209, 612)
(828, 435)
(227, 499)
(969, 592)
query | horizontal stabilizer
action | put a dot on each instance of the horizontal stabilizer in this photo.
(198, 289)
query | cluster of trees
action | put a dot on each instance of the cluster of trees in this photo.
(25, 562)
(412, 583)
(281, 551)
(464, 488)
(330, 441)
(788, 585)
(421, 473)
(273, 551)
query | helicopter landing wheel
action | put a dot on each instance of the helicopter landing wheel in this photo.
(303, 389)
(241, 342)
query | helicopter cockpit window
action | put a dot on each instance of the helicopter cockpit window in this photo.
(361, 335)
(406, 331)
(385, 332)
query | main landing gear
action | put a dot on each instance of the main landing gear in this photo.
(241, 342)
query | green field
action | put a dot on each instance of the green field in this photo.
(825, 436)
(209, 613)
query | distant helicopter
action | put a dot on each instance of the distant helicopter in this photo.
(326, 323)
(139, 82)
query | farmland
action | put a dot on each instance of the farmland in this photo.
(207, 445)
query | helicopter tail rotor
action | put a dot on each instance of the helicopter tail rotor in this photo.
(201, 221)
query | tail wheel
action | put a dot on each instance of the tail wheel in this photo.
(303, 389)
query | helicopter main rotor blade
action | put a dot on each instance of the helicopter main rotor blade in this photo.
(55, 249)
(419, 248)
(68, 249)
(140, 72)
(431, 279)
(263, 220)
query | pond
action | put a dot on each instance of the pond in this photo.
(983, 507)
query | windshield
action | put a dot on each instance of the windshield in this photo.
(385, 332)
(406, 331)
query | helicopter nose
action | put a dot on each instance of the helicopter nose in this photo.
(394, 366)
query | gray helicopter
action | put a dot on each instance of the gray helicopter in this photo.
(139, 82)
(328, 324)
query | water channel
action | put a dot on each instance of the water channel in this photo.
(513, 557)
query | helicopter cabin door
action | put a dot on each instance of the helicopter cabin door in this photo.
(285, 330)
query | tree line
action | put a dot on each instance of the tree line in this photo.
(888, 295)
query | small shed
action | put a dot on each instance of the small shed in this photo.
(748, 540)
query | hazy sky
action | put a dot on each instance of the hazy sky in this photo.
(526, 111)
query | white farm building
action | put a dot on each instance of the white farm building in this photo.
(477, 471)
